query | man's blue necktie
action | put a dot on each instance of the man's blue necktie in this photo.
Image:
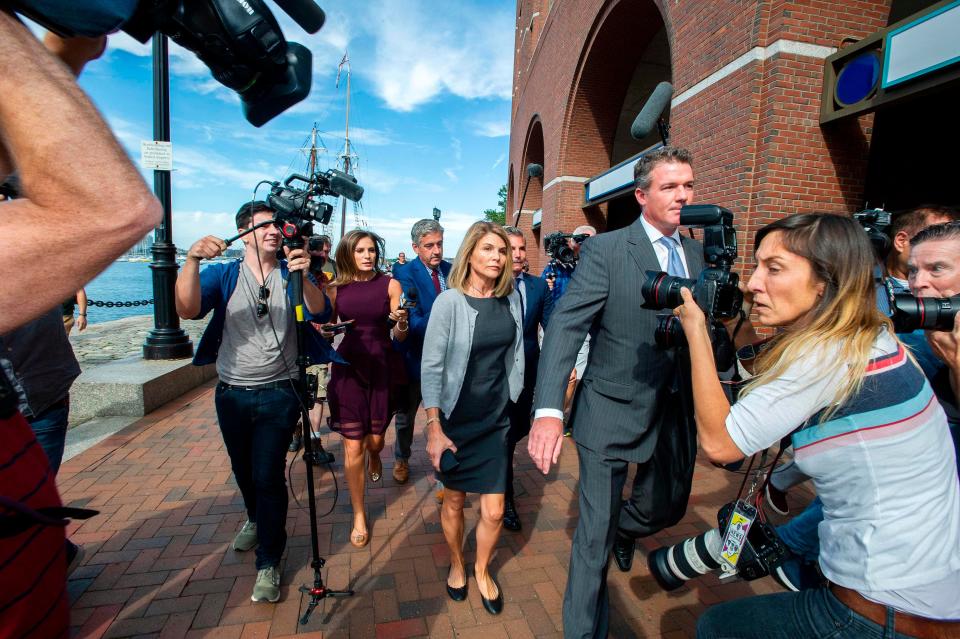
(674, 264)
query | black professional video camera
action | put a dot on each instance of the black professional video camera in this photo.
(876, 223)
(297, 209)
(558, 248)
(762, 552)
(717, 290)
(239, 40)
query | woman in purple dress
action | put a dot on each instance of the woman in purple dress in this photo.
(360, 393)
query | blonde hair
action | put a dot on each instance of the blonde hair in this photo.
(345, 260)
(460, 273)
(842, 259)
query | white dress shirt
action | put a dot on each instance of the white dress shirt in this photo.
(663, 257)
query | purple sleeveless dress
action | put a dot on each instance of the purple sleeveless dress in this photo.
(361, 394)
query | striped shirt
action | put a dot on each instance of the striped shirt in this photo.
(884, 466)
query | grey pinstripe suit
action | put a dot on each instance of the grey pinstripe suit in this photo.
(628, 393)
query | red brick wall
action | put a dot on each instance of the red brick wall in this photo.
(759, 148)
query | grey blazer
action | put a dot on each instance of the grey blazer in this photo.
(446, 351)
(629, 389)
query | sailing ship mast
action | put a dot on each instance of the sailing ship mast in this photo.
(346, 158)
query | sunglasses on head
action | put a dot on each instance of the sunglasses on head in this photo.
(262, 301)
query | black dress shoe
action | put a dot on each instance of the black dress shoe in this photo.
(458, 594)
(493, 606)
(295, 443)
(511, 520)
(623, 548)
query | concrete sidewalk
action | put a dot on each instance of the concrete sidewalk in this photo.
(158, 561)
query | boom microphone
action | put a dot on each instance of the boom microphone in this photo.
(647, 119)
(346, 185)
(534, 170)
(305, 13)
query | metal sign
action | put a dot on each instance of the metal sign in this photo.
(156, 155)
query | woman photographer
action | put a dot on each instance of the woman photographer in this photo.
(361, 393)
(865, 426)
(473, 362)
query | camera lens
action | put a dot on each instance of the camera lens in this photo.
(669, 332)
(660, 290)
(671, 566)
(923, 313)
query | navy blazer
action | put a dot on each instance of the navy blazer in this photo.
(414, 274)
(537, 306)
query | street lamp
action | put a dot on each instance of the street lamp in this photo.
(166, 340)
(436, 214)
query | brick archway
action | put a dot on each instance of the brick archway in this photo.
(609, 89)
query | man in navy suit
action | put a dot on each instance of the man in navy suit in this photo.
(537, 303)
(428, 275)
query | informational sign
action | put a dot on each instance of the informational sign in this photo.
(923, 46)
(156, 155)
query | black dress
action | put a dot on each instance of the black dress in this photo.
(479, 422)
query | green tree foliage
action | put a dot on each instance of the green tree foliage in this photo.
(499, 214)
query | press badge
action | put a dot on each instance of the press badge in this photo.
(735, 537)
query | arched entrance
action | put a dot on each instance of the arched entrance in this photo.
(612, 84)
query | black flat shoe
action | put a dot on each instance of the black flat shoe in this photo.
(623, 548)
(493, 606)
(511, 520)
(458, 594)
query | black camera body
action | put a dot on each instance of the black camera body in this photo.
(716, 290)
(557, 247)
(240, 41)
(876, 224)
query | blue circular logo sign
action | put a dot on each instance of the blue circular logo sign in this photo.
(858, 79)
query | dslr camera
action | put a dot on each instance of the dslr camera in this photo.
(240, 41)
(908, 313)
(716, 290)
(558, 248)
(761, 553)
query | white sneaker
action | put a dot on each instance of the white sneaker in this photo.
(267, 587)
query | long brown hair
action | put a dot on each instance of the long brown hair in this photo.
(460, 272)
(347, 270)
(846, 315)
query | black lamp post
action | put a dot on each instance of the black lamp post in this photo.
(436, 214)
(166, 340)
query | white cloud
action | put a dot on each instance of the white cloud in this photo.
(421, 52)
(500, 160)
(361, 135)
(451, 175)
(190, 226)
(492, 128)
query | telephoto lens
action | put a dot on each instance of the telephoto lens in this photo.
(911, 313)
(671, 566)
(660, 290)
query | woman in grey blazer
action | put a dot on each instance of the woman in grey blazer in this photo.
(472, 365)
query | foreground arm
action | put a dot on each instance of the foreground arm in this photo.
(710, 405)
(93, 209)
(187, 293)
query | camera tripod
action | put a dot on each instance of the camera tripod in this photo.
(311, 457)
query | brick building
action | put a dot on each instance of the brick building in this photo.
(749, 80)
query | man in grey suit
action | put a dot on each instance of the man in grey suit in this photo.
(630, 390)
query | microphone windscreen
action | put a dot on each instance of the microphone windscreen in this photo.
(646, 120)
(306, 13)
(346, 187)
(534, 170)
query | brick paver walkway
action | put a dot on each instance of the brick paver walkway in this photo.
(158, 560)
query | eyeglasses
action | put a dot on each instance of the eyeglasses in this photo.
(262, 301)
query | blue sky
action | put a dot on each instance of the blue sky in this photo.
(429, 116)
